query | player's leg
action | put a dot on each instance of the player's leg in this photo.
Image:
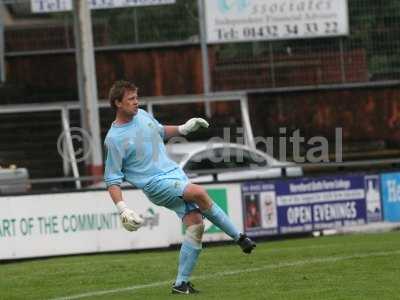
(168, 193)
(189, 253)
(197, 194)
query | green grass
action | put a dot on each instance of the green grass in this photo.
(338, 267)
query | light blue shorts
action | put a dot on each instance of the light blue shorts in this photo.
(167, 191)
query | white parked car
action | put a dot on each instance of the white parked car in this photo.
(206, 162)
(209, 162)
(14, 180)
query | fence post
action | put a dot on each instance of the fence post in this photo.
(70, 146)
(248, 131)
(2, 51)
(87, 83)
(204, 54)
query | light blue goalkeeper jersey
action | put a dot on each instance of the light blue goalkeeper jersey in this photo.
(135, 152)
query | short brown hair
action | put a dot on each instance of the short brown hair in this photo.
(117, 91)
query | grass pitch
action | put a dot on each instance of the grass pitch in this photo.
(338, 267)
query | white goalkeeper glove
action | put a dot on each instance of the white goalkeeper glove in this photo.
(131, 220)
(192, 125)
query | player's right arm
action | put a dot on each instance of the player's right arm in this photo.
(115, 193)
(113, 177)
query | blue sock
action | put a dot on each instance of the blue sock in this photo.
(219, 218)
(187, 260)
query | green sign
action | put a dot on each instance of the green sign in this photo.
(219, 196)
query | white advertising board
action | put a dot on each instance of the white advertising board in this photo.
(251, 20)
(55, 224)
(87, 222)
(47, 6)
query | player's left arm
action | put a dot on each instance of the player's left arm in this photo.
(191, 125)
(168, 131)
(171, 131)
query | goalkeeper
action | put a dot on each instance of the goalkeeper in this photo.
(136, 154)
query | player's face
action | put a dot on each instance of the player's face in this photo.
(129, 104)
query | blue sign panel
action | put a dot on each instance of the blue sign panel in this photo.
(390, 185)
(320, 203)
(309, 204)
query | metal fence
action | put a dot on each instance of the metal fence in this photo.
(367, 57)
(48, 138)
(368, 54)
(111, 27)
